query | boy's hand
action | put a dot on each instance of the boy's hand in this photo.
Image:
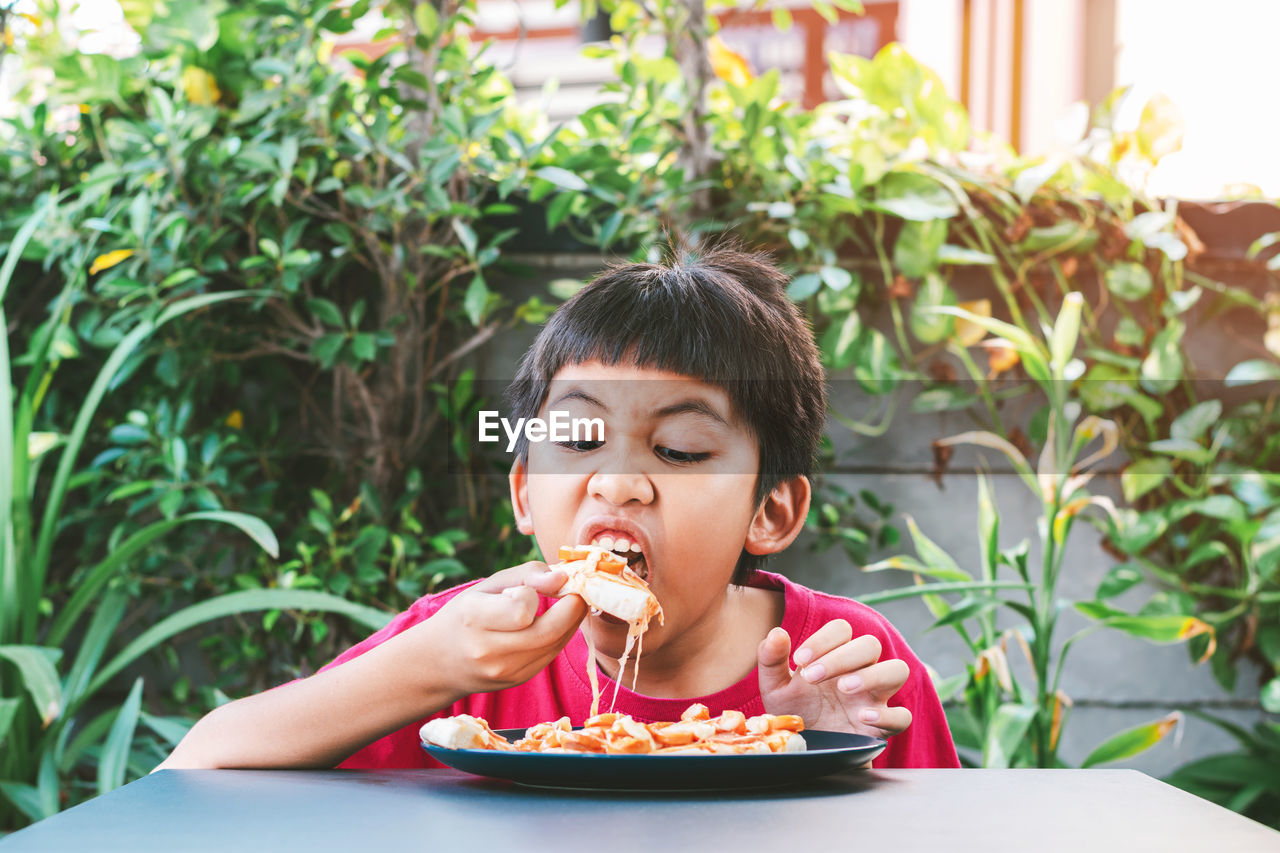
(491, 636)
(842, 685)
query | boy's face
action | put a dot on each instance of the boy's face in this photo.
(675, 473)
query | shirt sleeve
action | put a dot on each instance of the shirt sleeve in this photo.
(927, 741)
(400, 748)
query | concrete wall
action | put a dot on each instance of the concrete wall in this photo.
(1115, 681)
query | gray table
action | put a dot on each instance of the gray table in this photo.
(444, 810)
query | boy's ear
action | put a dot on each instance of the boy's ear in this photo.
(519, 481)
(780, 517)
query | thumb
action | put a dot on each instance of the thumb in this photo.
(772, 656)
(512, 609)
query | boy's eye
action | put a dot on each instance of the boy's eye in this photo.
(680, 456)
(580, 446)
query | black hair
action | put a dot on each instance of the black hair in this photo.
(723, 318)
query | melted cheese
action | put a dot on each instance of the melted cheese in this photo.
(600, 561)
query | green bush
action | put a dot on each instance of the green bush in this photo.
(365, 212)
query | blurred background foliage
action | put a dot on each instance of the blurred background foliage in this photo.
(363, 206)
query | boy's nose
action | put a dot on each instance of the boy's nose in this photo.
(619, 488)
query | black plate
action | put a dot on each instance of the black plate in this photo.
(828, 752)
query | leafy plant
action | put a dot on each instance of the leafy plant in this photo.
(1001, 721)
(56, 660)
(1244, 781)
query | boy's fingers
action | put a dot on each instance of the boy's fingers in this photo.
(514, 576)
(830, 636)
(851, 657)
(511, 609)
(879, 681)
(554, 627)
(546, 583)
(891, 721)
(771, 657)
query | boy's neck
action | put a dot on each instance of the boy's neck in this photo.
(713, 655)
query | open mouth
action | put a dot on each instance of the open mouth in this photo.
(628, 550)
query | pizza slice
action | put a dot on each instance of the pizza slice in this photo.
(607, 583)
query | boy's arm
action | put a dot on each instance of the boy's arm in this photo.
(488, 638)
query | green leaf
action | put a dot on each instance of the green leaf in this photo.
(27, 799)
(1181, 448)
(928, 325)
(426, 19)
(1005, 734)
(964, 610)
(231, 604)
(1144, 475)
(170, 729)
(1066, 331)
(365, 346)
(1222, 507)
(934, 556)
(1162, 368)
(962, 256)
(838, 341)
(1118, 580)
(934, 589)
(1129, 281)
(37, 666)
(914, 197)
(804, 286)
(946, 398)
(466, 236)
(835, 278)
(1129, 743)
(562, 178)
(1265, 548)
(8, 709)
(1270, 696)
(565, 288)
(877, 368)
(1195, 422)
(1163, 628)
(326, 311)
(325, 349)
(1129, 333)
(1063, 236)
(476, 299)
(915, 252)
(114, 760)
(1254, 370)
(1029, 181)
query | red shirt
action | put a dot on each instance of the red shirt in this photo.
(562, 688)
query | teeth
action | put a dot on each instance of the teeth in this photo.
(635, 546)
(606, 542)
(621, 544)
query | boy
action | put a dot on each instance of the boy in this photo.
(708, 384)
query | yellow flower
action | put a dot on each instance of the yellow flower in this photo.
(235, 420)
(200, 87)
(109, 260)
(728, 65)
